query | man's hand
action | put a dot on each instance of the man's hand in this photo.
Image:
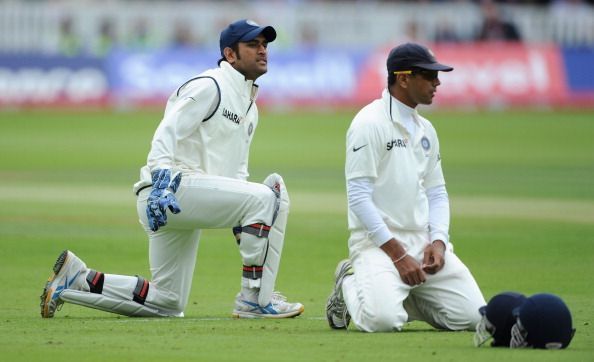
(162, 198)
(409, 269)
(433, 257)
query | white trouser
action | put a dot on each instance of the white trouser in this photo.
(379, 301)
(207, 202)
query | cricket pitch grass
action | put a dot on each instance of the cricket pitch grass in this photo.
(521, 185)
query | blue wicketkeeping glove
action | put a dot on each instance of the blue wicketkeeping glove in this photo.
(162, 197)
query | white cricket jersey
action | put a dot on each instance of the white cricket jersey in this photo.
(193, 139)
(380, 147)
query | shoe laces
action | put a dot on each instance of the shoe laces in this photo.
(341, 312)
(277, 297)
(339, 308)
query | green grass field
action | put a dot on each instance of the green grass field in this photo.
(522, 192)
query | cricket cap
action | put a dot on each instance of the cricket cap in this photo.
(411, 55)
(244, 30)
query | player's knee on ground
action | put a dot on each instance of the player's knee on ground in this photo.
(382, 320)
(166, 300)
(457, 320)
(465, 321)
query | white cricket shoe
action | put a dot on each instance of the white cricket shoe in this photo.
(69, 273)
(277, 308)
(336, 311)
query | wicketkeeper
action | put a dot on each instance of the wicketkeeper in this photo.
(196, 178)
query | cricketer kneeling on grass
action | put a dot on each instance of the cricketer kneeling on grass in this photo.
(196, 178)
(402, 266)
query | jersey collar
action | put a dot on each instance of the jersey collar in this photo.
(245, 87)
(394, 108)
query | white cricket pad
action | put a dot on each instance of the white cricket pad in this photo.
(108, 304)
(276, 239)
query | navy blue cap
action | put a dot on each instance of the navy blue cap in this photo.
(499, 313)
(546, 320)
(411, 55)
(244, 30)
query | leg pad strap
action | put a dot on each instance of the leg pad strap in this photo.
(95, 281)
(252, 271)
(259, 230)
(141, 290)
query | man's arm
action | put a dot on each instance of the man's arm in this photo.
(359, 191)
(439, 223)
(184, 113)
(183, 116)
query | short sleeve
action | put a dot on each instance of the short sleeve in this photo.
(362, 151)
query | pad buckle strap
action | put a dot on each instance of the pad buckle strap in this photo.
(141, 290)
(259, 230)
(252, 271)
(95, 281)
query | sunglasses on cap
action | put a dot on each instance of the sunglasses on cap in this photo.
(429, 75)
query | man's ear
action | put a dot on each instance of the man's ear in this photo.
(402, 80)
(230, 55)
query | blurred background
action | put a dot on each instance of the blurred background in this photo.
(129, 54)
